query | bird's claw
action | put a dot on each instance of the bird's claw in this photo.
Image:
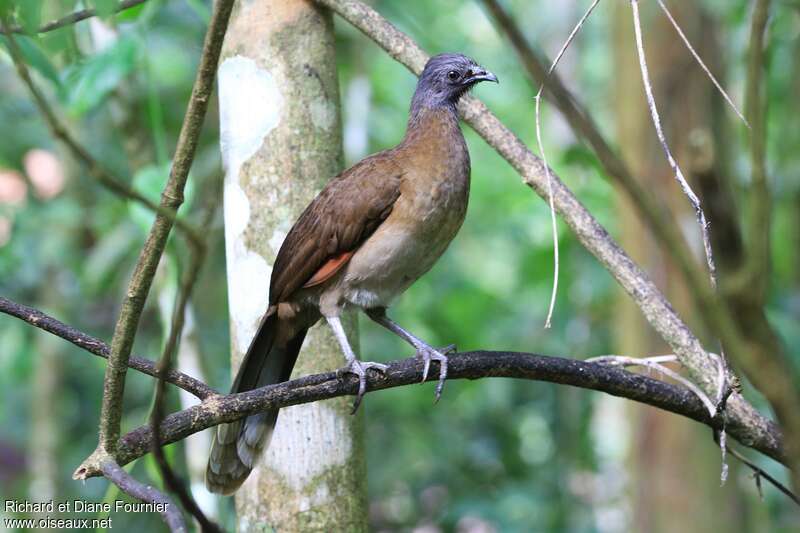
(359, 368)
(428, 354)
(450, 348)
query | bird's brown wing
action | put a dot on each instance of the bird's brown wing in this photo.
(333, 226)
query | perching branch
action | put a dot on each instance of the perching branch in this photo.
(468, 365)
(589, 232)
(72, 18)
(99, 348)
(550, 372)
(557, 370)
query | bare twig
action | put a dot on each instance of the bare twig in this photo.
(701, 63)
(171, 199)
(99, 348)
(72, 18)
(633, 361)
(470, 365)
(160, 502)
(589, 232)
(538, 99)
(715, 408)
(759, 473)
(656, 363)
(171, 479)
(651, 103)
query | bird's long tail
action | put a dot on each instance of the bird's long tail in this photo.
(237, 445)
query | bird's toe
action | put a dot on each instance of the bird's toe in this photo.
(429, 354)
(359, 368)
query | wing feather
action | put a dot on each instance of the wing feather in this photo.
(335, 224)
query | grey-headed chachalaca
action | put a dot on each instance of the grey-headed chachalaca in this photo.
(372, 232)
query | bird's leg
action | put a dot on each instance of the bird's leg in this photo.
(354, 366)
(424, 350)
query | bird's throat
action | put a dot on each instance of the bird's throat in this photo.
(433, 125)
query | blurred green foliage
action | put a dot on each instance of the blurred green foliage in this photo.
(513, 456)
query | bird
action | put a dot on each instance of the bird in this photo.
(371, 232)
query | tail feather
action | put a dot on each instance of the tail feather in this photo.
(237, 445)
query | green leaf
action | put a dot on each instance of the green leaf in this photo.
(87, 84)
(131, 14)
(33, 56)
(105, 8)
(29, 15)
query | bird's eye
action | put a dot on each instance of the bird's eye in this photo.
(452, 75)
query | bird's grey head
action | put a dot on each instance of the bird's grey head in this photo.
(445, 79)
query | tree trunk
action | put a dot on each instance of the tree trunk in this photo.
(281, 141)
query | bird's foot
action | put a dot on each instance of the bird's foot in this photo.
(359, 368)
(428, 354)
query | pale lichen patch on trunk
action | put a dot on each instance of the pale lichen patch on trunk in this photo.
(250, 107)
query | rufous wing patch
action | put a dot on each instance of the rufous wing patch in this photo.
(327, 270)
